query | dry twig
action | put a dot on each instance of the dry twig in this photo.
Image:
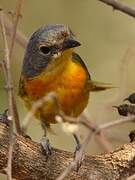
(100, 137)
(9, 88)
(20, 37)
(121, 121)
(13, 35)
(120, 6)
(14, 29)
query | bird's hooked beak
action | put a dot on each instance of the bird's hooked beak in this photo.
(67, 44)
(70, 43)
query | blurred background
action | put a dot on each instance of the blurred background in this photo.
(108, 49)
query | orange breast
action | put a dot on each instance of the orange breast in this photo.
(35, 88)
(69, 85)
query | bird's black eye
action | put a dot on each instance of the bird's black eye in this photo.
(45, 50)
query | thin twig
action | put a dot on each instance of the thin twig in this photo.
(13, 35)
(103, 141)
(100, 137)
(120, 6)
(98, 128)
(127, 119)
(9, 88)
(20, 37)
(16, 20)
(15, 113)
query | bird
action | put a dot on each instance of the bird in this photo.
(50, 64)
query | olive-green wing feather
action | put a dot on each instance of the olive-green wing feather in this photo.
(21, 89)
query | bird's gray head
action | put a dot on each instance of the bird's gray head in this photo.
(45, 45)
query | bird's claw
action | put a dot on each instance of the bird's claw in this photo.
(47, 148)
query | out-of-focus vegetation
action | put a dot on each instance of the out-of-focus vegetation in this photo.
(105, 36)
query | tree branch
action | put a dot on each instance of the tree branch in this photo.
(120, 7)
(16, 20)
(9, 88)
(20, 37)
(29, 162)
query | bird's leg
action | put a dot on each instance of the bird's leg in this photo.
(47, 148)
(78, 144)
(77, 149)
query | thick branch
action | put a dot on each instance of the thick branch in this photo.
(29, 162)
(120, 6)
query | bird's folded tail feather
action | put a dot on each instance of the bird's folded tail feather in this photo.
(100, 86)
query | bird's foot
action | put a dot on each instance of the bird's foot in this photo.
(47, 148)
(77, 149)
(78, 156)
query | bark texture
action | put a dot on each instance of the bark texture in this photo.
(30, 163)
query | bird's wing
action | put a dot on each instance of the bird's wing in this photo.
(76, 58)
(92, 85)
(21, 89)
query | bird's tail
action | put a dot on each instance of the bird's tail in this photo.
(100, 86)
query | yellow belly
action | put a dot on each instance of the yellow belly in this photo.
(69, 86)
